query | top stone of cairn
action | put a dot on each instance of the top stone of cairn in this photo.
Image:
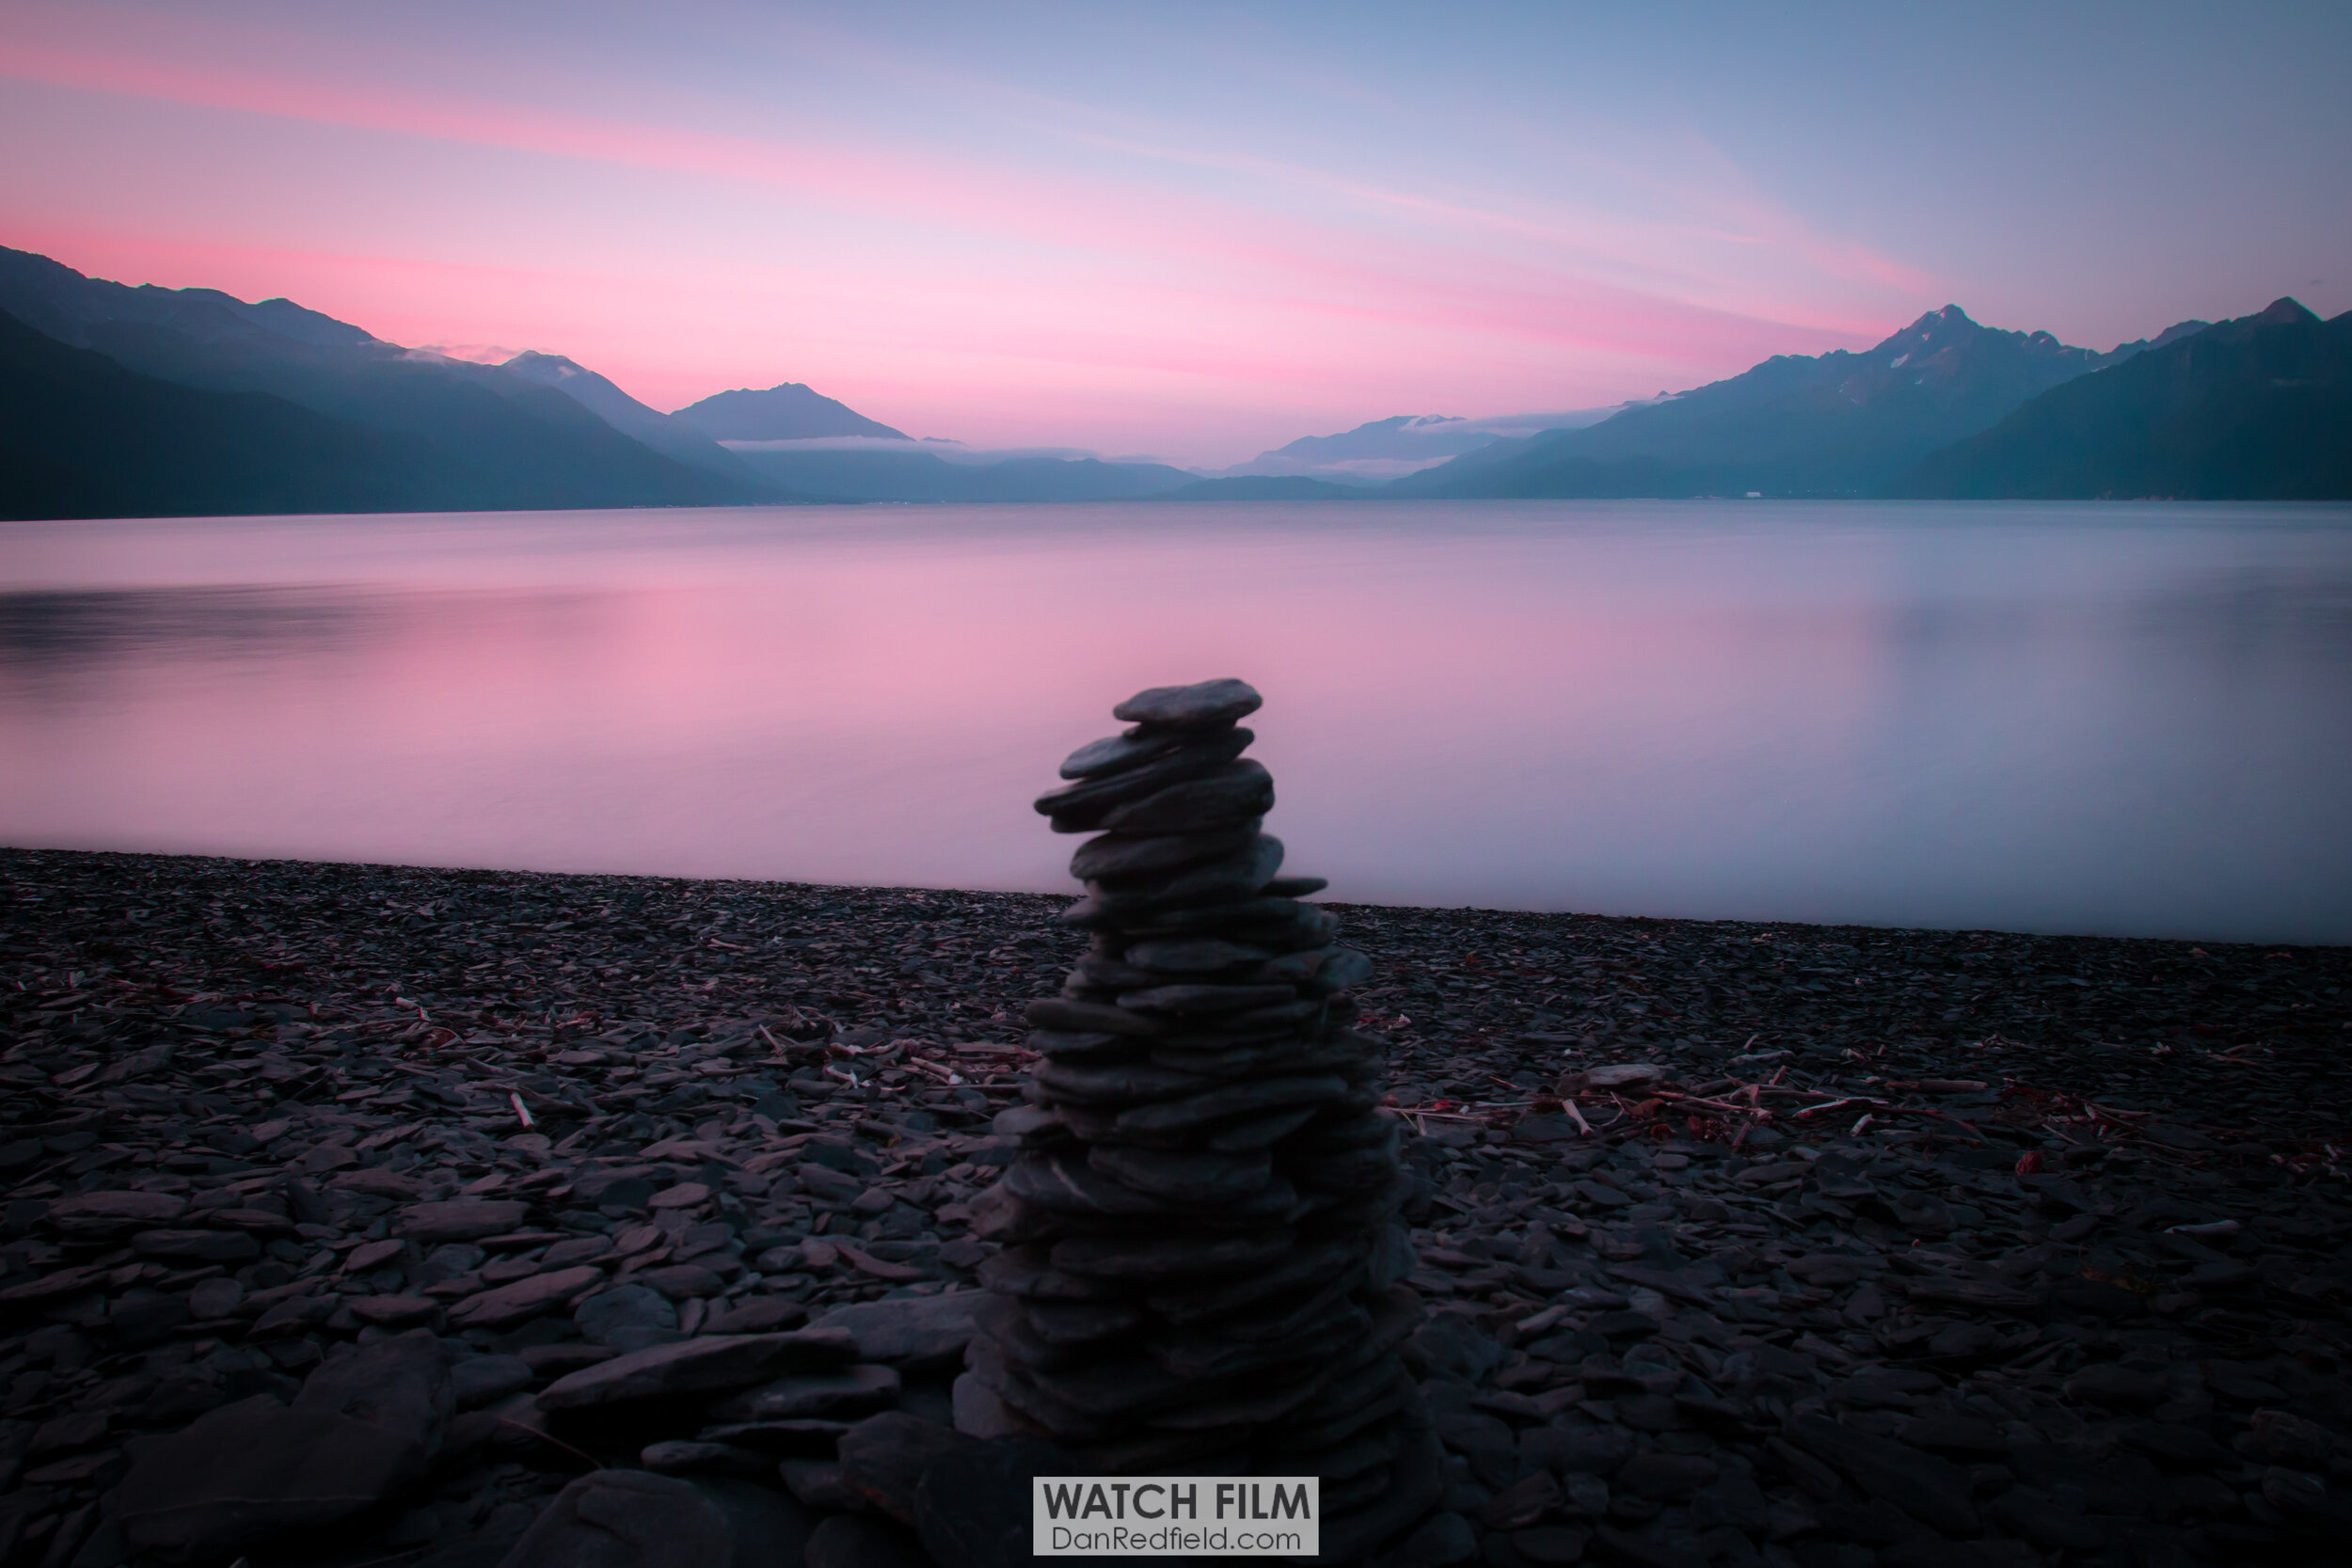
(1198, 706)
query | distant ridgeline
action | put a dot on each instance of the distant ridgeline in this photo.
(146, 402)
(2254, 408)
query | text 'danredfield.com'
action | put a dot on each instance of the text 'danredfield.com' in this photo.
(1227, 1516)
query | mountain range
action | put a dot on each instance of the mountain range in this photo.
(145, 401)
(2259, 408)
(1831, 424)
(1405, 443)
(790, 412)
(481, 436)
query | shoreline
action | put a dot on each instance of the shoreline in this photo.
(2057, 1219)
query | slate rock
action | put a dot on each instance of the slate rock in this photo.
(464, 1220)
(1229, 795)
(101, 1216)
(2120, 1387)
(851, 1541)
(479, 1379)
(1596, 1451)
(209, 1300)
(1660, 1475)
(909, 1331)
(1441, 1540)
(1449, 1344)
(770, 1528)
(1932, 1490)
(1200, 706)
(1116, 754)
(1521, 1503)
(682, 1281)
(716, 1364)
(1550, 1545)
(848, 1392)
(627, 1519)
(197, 1247)
(882, 1459)
(972, 1504)
(768, 1315)
(400, 1311)
(692, 1457)
(628, 1317)
(362, 1430)
(509, 1305)
(2282, 1437)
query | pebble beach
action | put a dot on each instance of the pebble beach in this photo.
(1737, 1242)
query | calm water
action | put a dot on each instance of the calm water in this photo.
(2097, 717)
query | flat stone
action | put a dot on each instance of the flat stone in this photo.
(1551, 1545)
(524, 1299)
(1624, 1075)
(576, 1249)
(1225, 797)
(209, 1300)
(1240, 1100)
(395, 1311)
(718, 1364)
(1660, 1475)
(479, 1379)
(1077, 807)
(197, 1247)
(464, 1220)
(856, 1391)
(1185, 1175)
(1229, 877)
(1440, 1541)
(2282, 1437)
(1086, 1082)
(1200, 706)
(1117, 754)
(99, 1216)
(765, 1315)
(1934, 1491)
(551, 1361)
(362, 1428)
(1161, 1257)
(1576, 1450)
(628, 1519)
(680, 1281)
(686, 1195)
(1064, 1016)
(850, 1540)
(909, 1331)
(1197, 1000)
(680, 1456)
(883, 1457)
(624, 1310)
(260, 1222)
(972, 1505)
(1521, 1503)
(370, 1256)
(1114, 856)
(2120, 1387)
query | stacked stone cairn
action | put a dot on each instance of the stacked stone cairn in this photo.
(1203, 1266)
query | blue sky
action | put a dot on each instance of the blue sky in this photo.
(1198, 230)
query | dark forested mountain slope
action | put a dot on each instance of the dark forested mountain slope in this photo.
(516, 442)
(81, 437)
(788, 412)
(1830, 425)
(2257, 409)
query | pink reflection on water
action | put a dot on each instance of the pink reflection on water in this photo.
(1882, 715)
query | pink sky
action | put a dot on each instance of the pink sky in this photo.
(1138, 236)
